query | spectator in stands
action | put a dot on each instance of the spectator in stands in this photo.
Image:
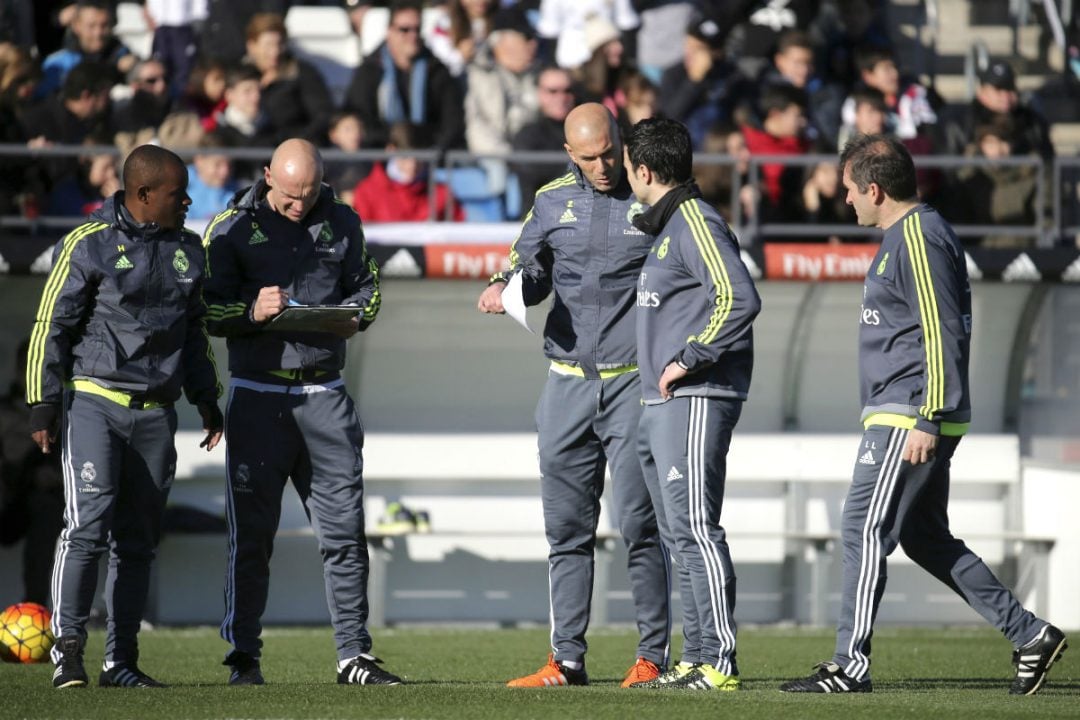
(67, 119)
(910, 111)
(18, 76)
(223, 35)
(346, 134)
(782, 132)
(823, 198)
(564, 22)
(854, 24)
(870, 116)
(294, 99)
(205, 92)
(242, 124)
(555, 97)
(85, 190)
(402, 82)
(752, 28)
(397, 190)
(715, 180)
(995, 194)
(598, 77)
(699, 92)
(17, 24)
(997, 97)
(460, 32)
(636, 97)
(502, 95)
(660, 37)
(210, 181)
(175, 41)
(150, 100)
(91, 39)
(793, 64)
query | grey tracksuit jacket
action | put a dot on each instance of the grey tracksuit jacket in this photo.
(123, 307)
(696, 301)
(915, 328)
(321, 261)
(582, 244)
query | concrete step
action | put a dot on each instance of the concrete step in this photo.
(953, 87)
(1066, 137)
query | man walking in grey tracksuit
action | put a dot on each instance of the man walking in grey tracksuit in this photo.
(914, 346)
(578, 241)
(696, 305)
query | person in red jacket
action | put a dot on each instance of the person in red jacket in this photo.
(397, 190)
(782, 132)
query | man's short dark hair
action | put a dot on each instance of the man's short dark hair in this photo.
(794, 39)
(778, 97)
(663, 146)
(870, 96)
(882, 160)
(397, 6)
(868, 56)
(241, 73)
(87, 77)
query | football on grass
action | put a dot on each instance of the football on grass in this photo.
(24, 633)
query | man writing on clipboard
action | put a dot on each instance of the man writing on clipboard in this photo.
(285, 241)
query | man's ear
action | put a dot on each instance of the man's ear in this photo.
(143, 193)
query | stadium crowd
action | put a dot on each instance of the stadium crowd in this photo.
(747, 77)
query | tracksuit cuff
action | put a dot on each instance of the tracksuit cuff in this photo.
(928, 426)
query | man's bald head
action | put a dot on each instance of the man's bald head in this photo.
(294, 178)
(593, 144)
(148, 166)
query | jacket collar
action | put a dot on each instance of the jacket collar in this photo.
(655, 218)
(113, 212)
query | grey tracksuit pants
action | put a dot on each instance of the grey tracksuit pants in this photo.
(315, 438)
(118, 465)
(585, 424)
(893, 502)
(683, 447)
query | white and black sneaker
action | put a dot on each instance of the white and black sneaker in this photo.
(829, 678)
(1034, 660)
(127, 676)
(69, 671)
(364, 670)
(245, 669)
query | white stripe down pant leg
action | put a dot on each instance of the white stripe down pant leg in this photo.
(688, 438)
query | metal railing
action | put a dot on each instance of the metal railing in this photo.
(1048, 202)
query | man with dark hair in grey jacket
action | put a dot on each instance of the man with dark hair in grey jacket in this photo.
(578, 243)
(696, 304)
(914, 347)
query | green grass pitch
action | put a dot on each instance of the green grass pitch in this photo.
(460, 672)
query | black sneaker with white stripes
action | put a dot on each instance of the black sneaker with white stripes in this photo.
(1034, 660)
(69, 671)
(127, 676)
(829, 678)
(365, 670)
(245, 669)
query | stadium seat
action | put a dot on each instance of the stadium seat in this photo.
(324, 37)
(469, 186)
(131, 29)
(373, 31)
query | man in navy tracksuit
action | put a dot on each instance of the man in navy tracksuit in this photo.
(118, 334)
(578, 242)
(284, 240)
(696, 305)
(914, 347)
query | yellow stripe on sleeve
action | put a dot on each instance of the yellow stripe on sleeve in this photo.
(934, 399)
(35, 362)
(706, 244)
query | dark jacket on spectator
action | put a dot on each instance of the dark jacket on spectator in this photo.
(541, 134)
(700, 105)
(1031, 135)
(297, 104)
(444, 108)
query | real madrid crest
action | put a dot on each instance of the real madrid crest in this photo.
(180, 262)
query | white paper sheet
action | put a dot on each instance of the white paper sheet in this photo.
(513, 299)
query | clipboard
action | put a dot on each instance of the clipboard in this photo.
(312, 318)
